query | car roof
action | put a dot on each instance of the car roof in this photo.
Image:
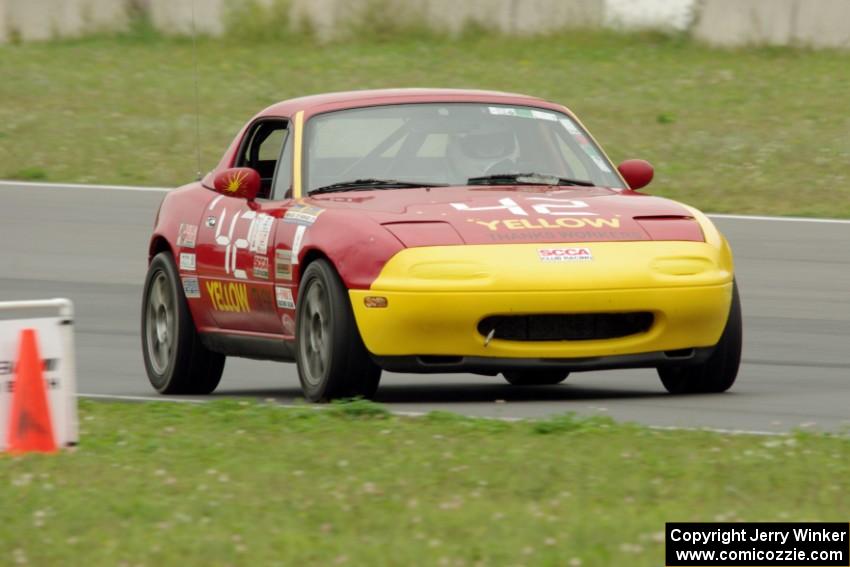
(314, 104)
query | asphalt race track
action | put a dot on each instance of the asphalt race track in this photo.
(89, 244)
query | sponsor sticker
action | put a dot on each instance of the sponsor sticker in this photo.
(502, 111)
(585, 144)
(541, 115)
(283, 264)
(187, 261)
(262, 229)
(261, 267)
(523, 113)
(302, 214)
(187, 235)
(569, 126)
(283, 295)
(191, 288)
(296, 242)
(564, 254)
(230, 297)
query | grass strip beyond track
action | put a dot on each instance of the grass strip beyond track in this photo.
(754, 131)
(244, 483)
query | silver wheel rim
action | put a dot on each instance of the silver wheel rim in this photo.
(314, 334)
(160, 323)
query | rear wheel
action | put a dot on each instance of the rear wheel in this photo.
(175, 360)
(332, 360)
(718, 373)
(535, 377)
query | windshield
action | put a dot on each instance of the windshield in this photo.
(448, 144)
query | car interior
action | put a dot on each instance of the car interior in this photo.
(441, 149)
(261, 151)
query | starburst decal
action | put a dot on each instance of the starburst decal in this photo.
(234, 184)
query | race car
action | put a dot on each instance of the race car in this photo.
(433, 231)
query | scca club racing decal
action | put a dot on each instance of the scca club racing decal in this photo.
(564, 254)
(261, 267)
(231, 297)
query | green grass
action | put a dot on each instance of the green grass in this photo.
(239, 483)
(750, 131)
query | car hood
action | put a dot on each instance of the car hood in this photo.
(487, 215)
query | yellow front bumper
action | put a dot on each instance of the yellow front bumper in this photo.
(436, 296)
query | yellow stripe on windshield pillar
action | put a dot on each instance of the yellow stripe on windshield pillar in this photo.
(296, 158)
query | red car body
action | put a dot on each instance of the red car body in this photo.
(241, 260)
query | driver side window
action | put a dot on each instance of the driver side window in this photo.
(261, 150)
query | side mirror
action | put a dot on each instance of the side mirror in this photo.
(637, 172)
(242, 182)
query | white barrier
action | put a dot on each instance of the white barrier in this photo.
(50, 19)
(650, 14)
(815, 23)
(55, 337)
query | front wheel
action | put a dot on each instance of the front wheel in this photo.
(535, 377)
(332, 360)
(718, 373)
(175, 360)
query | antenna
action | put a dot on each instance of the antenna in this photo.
(197, 94)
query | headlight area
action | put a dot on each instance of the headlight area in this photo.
(426, 233)
(671, 228)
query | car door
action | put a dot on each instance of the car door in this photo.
(236, 274)
(285, 236)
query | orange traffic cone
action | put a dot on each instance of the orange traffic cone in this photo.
(30, 427)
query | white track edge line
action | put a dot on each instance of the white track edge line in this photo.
(769, 218)
(404, 413)
(120, 397)
(36, 185)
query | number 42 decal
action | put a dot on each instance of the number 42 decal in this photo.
(257, 239)
(545, 206)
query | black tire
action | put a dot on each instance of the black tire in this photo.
(332, 360)
(175, 359)
(535, 377)
(718, 373)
